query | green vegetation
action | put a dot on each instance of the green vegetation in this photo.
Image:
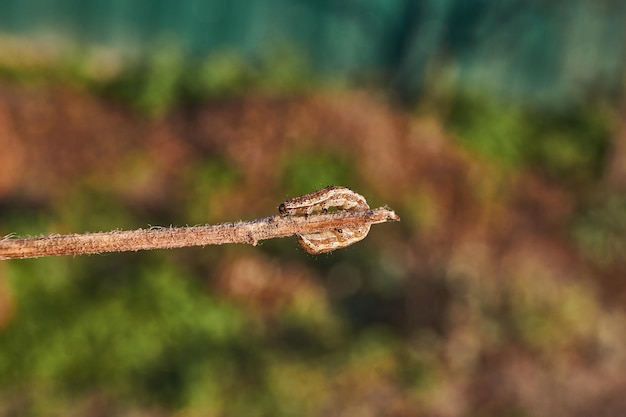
(481, 283)
(134, 330)
(601, 230)
(567, 144)
(165, 77)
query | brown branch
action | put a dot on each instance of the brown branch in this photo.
(175, 237)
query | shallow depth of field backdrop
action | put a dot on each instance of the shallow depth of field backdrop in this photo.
(496, 130)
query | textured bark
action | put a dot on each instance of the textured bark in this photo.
(250, 232)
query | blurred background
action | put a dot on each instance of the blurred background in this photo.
(495, 128)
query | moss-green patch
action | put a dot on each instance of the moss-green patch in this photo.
(221, 74)
(91, 209)
(208, 181)
(306, 171)
(567, 144)
(600, 231)
(490, 128)
(136, 331)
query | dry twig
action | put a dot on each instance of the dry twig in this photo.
(324, 230)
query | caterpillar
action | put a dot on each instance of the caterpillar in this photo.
(328, 241)
(318, 201)
(321, 201)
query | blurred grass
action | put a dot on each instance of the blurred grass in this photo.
(166, 78)
(132, 329)
(570, 145)
(145, 331)
(356, 331)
